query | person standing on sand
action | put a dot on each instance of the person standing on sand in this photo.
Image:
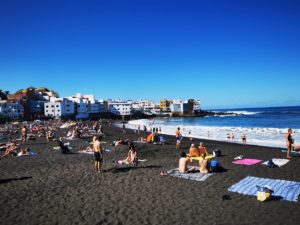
(24, 134)
(290, 143)
(178, 138)
(98, 153)
(244, 139)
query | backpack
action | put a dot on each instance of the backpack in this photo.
(214, 166)
(217, 152)
(271, 164)
(264, 193)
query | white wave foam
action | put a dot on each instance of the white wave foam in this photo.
(272, 137)
(246, 113)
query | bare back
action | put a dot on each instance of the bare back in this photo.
(97, 146)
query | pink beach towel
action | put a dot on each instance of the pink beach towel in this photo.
(247, 161)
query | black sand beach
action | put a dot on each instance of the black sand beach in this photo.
(52, 188)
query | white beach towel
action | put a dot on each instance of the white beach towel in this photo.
(278, 162)
(197, 176)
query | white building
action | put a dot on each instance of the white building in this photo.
(179, 106)
(81, 106)
(61, 107)
(12, 110)
(197, 105)
(120, 108)
(146, 105)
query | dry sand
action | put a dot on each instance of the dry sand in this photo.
(52, 188)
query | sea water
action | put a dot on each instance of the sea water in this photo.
(262, 126)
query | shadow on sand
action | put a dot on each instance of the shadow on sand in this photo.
(128, 168)
(5, 181)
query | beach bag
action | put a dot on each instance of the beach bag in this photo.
(264, 193)
(271, 164)
(214, 166)
(217, 152)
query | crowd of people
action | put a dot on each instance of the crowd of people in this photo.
(80, 130)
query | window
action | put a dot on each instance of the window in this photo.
(47, 106)
(57, 106)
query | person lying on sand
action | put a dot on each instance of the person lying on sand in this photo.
(120, 142)
(24, 152)
(88, 149)
(11, 150)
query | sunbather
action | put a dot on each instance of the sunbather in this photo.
(24, 152)
(64, 149)
(88, 149)
(11, 150)
(132, 156)
(183, 161)
(194, 151)
(203, 164)
(202, 149)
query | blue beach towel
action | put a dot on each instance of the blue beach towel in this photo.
(293, 152)
(284, 189)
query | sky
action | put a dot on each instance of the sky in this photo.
(227, 54)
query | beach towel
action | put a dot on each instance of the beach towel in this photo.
(283, 189)
(293, 152)
(91, 153)
(247, 162)
(197, 176)
(278, 162)
(122, 162)
(30, 154)
(207, 157)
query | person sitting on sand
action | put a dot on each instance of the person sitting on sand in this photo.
(194, 151)
(64, 149)
(290, 143)
(183, 161)
(202, 149)
(50, 135)
(203, 164)
(132, 156)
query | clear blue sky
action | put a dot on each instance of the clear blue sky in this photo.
(225, 53)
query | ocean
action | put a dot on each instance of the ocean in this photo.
(262, 126)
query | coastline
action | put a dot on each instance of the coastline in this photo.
(52, 188)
